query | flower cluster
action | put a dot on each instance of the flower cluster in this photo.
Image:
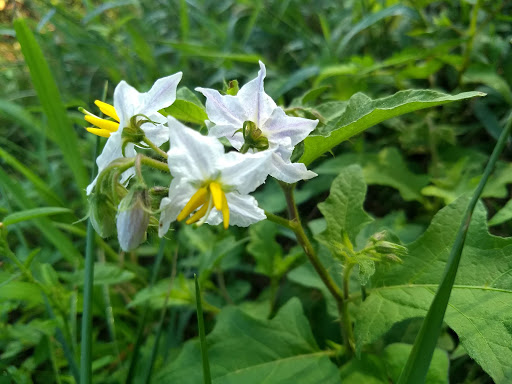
(207, 184)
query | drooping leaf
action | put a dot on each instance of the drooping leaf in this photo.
(483, 285)
(244, 349)
(187, 107)
(363, 112)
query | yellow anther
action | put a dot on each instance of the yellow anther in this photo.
(198, 215)
(107, 109)
(198, 199)
(217, 194)
(98, 131)
(111, 126)
(225, 211)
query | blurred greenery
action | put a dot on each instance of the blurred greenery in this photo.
(264, 306)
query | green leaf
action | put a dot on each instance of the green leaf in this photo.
(244, 349)
(343, 209)
(50, 99)
(41, 186)
(187, 107)
(483, 285)
(362, 113)
(395, 357)
(30, 214)
(57, 238)
(503, 215)
(104, 273)
(384, 168)
(264, 247)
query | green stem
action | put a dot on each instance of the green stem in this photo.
(245, 148)
(345, 315)
(303, 240)
(469, 46)
(154, 147)
(279, 220)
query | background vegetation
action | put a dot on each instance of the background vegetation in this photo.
(256, 283)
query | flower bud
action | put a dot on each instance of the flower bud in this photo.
(133, 218)
(254, 137)
(102, 214)
(232, 88)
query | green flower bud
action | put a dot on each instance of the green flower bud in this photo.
(232, 88)
(102, 214)
(133, 218)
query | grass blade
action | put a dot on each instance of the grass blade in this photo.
(30, 214)
(415, 371)
(50, 99)
(202, 337)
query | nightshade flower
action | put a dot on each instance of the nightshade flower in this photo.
(253, 118)
(211, 185)
(131, 109)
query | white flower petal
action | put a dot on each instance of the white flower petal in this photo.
(243, 210)
(227, 131)
(161, 95)
(279, 125)
(158, 134)
(126, 103)
(245, 172)
(179, 194)
(257, 104)
(192, 156)
(223, 110)
(287, 171)
(111, 152)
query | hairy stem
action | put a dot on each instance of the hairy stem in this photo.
(296, 225)
(154, 147)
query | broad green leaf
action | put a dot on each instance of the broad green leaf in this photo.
(50, 99)
(503, 215)
(363, 112)
(384, 168)
(104, 273)
(181, 293)
(187, 107)
(385, 367)
(483, 285)
(264, 247)
(343, 209)
(395, 357)
(30, 214)
(244, 349)
(22, 291)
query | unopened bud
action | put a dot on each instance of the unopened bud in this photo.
(232, 88)
(102, 214)
(133, 218)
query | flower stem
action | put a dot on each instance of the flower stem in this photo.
(245, 148)
(154, 147)
(334, 289)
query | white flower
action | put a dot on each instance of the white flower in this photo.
(204, 178)
(228, 114)
(128, 102)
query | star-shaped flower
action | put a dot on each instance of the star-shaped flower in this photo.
(131, 107)
(252, 121)
(211, 185)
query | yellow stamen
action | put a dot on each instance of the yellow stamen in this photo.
(225, 211)
(217, 194)
(98, 131)
(111, 126)
(198, 215)
(107, 109)
(198, 199)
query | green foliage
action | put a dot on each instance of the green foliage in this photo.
(245, 349)
(407, 290)
(362, 112)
